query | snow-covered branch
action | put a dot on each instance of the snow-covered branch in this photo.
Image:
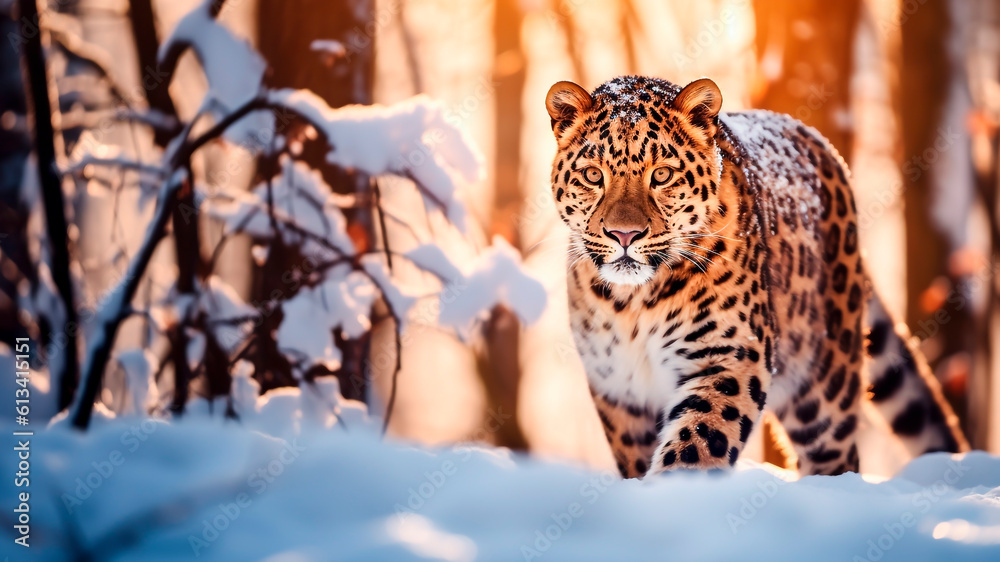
(114, 310)
(411, 139)
(296, 210)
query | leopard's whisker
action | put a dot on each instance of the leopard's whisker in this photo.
(688, 256)
(708, 235)
(703, 260)
(692, 253)
(699, 236)
(727, 258)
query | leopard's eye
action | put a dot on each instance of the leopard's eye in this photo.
(593, 175)
(662, 176)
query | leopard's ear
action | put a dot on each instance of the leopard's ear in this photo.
(701, 102)
(565, 102)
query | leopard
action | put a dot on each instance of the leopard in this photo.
(715, 275)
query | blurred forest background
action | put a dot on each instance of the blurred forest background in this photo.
(907, 90)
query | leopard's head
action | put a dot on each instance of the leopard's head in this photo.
(637, 172)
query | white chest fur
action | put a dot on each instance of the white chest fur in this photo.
(627, 356)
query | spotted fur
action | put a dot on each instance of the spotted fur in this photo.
(715, 271)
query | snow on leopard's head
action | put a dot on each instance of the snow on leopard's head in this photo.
(637, 172)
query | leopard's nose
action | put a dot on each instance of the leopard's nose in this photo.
(625, 237)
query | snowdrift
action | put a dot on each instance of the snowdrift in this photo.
(134, 489)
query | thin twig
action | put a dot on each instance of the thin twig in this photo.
(109, 319)
(123, 163)
(59, 28)
(399, 340)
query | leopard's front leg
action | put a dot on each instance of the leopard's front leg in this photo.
(718, 404)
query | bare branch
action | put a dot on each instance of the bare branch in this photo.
(59, 27)
(113, 312)
(111, 315)
(384, 233)
(124, 163)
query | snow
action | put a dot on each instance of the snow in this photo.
(305, 335)
(303, 475)
(776, 157)
(139, 366)
(411, 139)
(116, 301)
(89, 151)
(343, 301)
(306, 212)
(431, 258)
(244, 390)
(496, 278)
(290, 482)
(234, 70)
(226, 313)
(285, 412)
(328, 47)
(399, 302)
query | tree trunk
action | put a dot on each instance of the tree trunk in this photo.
(983, 416)
(295, 65)
(15, 147)
(147, 45)
(339, 80)
(805, 51)
(508, 80)
(938, 296)
(502, 369)
(47, 147)
(185, 221)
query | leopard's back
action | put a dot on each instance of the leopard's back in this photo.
(715, 272)
(820, 290)
(808, 233)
